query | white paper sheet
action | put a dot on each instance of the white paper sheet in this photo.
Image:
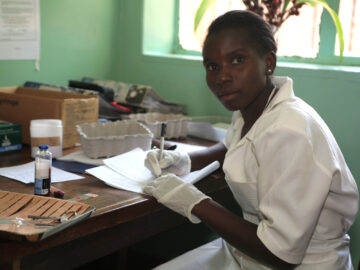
(19, 29)
(130, 165)
(26, 173)
(127, 171)
(116, 180)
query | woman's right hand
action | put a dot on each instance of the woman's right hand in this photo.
(176, 162)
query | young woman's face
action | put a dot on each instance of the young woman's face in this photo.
(235, 71)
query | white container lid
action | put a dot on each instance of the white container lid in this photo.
(46, 122)
(40, 128)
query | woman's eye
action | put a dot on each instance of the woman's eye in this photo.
(211, 67)
(238, 60)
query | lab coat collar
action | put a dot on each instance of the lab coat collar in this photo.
(285, 92)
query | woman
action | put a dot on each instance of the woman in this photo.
(280, 160)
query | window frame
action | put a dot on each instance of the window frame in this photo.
(325, 56)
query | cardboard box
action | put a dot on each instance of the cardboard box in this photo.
(23, 104)
(10, 136)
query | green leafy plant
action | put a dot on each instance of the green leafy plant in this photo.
(275, 12)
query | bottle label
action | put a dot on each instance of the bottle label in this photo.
(42, 183)
(42, 186)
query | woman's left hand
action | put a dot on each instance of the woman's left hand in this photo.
(176, 194)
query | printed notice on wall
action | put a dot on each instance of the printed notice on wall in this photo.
(19, 29)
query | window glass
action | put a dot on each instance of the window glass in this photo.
(349, 14)
(298, 36)
(190, 40)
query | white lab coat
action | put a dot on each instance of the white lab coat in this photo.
(289, 177)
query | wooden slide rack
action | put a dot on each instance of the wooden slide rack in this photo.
(25, 217)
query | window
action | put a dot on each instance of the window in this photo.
(299, 36)
(349, 13)
(188, 39)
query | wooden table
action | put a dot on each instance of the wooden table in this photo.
(121, 219)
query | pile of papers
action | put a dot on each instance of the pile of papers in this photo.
(127, 171)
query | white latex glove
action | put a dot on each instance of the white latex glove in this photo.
(176, 194)
(176, 162)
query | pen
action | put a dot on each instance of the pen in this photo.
(162, 134)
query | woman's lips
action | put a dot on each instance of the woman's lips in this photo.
(228, 96)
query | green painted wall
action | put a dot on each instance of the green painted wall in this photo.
(78, 38)
(104, 39)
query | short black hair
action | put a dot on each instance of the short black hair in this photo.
(259, 31)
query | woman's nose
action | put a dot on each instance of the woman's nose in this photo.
(223, 76)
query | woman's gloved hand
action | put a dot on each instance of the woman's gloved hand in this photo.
(176, 162)
(176, 194)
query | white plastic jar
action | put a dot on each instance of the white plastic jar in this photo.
(46, 132)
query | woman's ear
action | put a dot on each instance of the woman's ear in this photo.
(270, 62)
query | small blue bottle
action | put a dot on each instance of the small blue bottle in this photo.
(43, 161)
